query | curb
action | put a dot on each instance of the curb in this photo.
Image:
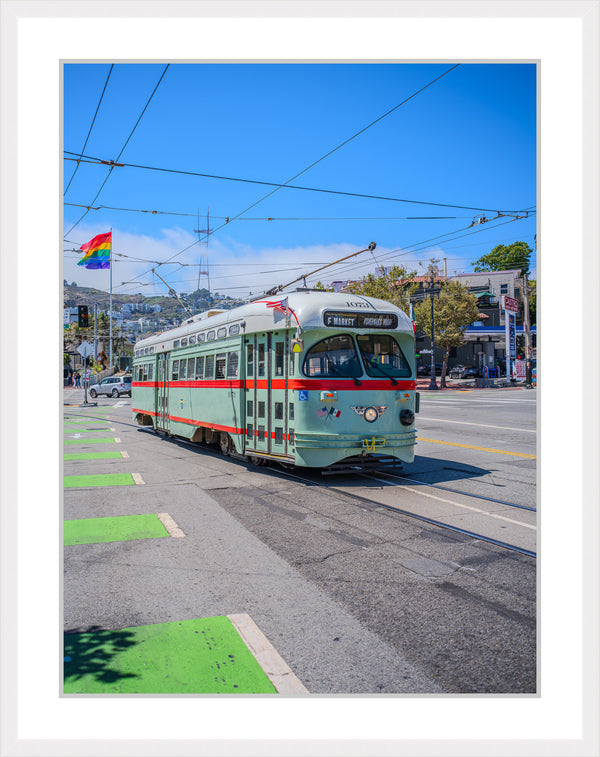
(275, 667)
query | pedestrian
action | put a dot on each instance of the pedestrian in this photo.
(77, 380)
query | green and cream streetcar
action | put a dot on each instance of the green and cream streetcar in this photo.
(313, 379)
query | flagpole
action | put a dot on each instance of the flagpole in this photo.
(110, 338)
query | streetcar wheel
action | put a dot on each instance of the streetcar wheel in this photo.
(225, 444)
(255, 460)
(115, 393)
(93, 394)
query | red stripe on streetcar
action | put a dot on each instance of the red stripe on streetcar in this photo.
(311, 384)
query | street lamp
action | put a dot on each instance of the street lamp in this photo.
(432, 270)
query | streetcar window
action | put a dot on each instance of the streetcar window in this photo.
(291, 411)
(249, 431)
(331, 357)
(250, 360)
(235, 329)
(151, 349)
(292, 363)
(175, 373)
(291, 435)
(193, 339)
(184, 342)
(210, 336)
(145, 372)
(150, 371)
(221, 333)
(250, 408)
(279, 411)
(209, 367)
(182, 370)
(200, 367)
(382, 356)
(191, 365)
(261, 409)
(278, 435)
(232, 365)
(221, 363)
(261, 432)
(261, 359)
(279, 358)
(200, 337)
(176, 343)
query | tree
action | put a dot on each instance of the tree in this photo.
(505, 258)
(395, 286)
(453, 311)
(532, 301)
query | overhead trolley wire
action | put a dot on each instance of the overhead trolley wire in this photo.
(345, 142)
(91, 127)
(273, 218)
(123, 148)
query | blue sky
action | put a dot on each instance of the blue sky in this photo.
(467, 140)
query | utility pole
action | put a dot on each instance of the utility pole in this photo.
(527, 330)
(432, 271)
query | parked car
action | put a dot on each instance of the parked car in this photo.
(425, 370)
(466, 371)
(114, 386)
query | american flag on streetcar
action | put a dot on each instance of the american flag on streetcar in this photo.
(282, 307)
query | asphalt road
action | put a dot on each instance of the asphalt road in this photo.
(356, 599)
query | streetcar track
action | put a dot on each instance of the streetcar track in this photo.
(366, 500)
(409, 514)
(456, 491)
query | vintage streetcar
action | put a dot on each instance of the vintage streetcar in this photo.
(313, 379)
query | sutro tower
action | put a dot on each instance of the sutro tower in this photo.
(203, 265)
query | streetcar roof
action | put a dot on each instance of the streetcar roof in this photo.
(268, 314)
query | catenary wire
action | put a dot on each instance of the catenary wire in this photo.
(124, 146)
(91, 127)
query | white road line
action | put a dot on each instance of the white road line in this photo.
(276, 668)
(138, 479)
(456, 504)
(170, 525)
(484, 425)
(117, 440)
(124, 453)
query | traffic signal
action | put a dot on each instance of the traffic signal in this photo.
(82, 315)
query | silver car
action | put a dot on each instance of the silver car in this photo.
(114, 386)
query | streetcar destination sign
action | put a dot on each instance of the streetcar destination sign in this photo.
(361, 320)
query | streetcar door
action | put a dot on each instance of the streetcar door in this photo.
(278, 395)
(258, 437)
(162, 392)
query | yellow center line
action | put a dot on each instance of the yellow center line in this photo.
(482, 449)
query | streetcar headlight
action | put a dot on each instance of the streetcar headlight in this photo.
(407, 417)
(371, 414)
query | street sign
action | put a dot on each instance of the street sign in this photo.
(511, 304)
(85, 349)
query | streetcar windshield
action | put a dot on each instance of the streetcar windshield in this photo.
(333, 357)
(382, 356)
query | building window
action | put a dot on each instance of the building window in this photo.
(503, 288)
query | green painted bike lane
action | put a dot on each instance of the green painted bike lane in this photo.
(199, 656)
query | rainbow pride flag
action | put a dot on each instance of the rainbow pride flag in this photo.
(97, 252)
